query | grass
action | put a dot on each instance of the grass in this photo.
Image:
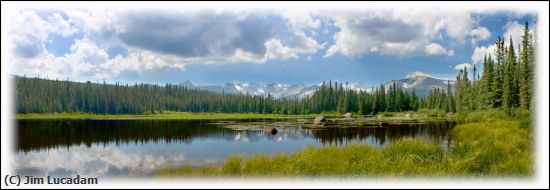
(487, 148)
(497, 147)
(491, 115)
(164, 115)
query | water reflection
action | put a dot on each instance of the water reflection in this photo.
(433, 132)
(94, 161)
(40, 134)
(47, 134)
(139, 147)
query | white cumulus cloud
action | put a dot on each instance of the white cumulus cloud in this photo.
(480, 33)
(28, 32)
(276, 50)
(153, 40)
(436, 49)
(480, 53)
(463, 65)
(400, 32)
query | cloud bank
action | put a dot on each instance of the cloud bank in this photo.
(107, 43)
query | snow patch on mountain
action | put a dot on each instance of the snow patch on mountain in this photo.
(418, 74)
(276, 90)
(421, 82)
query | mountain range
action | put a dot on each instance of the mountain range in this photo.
(422, 83)
(419, 81)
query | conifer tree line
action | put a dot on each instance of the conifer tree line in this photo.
(333, 97)
(35, 95)
(506, 83)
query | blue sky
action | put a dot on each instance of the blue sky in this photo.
(277, 46)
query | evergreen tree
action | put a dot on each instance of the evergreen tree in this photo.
(488, 82)
(498, 73)
(466, 95)
(525, 76)
(510, 92)
(450, 99)
(459, 92)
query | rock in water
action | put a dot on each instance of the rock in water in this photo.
(319, 119)
(347, 115)
(272, 131)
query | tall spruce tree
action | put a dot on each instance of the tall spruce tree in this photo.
(498, 73)
(525, 70)
(510, 92)
(459, 92)
(450, 99)
(466, 95)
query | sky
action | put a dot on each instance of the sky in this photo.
(288, 45)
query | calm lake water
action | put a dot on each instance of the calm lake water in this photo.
(140, 147)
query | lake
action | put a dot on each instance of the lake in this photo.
(124, 147)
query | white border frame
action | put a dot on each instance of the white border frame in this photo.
(539, 180)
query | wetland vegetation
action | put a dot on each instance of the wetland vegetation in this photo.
(494, 148)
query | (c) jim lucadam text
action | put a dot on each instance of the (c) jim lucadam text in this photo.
(60, 180)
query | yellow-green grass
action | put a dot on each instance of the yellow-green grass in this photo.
(491, 115)
(164, 115)
(495, 148)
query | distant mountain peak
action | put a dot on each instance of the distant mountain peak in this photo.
(418, 74)
(187, 83)
(276, 90)
(421, 82)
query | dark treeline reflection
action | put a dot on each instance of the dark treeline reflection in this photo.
(38, 134)
(45, 134)
(435, 132)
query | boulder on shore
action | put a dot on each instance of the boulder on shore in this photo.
(347, 115)
(319, 119)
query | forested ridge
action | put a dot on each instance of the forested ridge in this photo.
(505, 83)
(36, 95)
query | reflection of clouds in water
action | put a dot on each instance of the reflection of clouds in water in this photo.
(290, 133)
(95, 161)
(283, 134)
(242, 136)
(147, 154)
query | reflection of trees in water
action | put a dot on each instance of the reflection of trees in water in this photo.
(44, 134)
(436, 132)
(38, 134)
(340, 136)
